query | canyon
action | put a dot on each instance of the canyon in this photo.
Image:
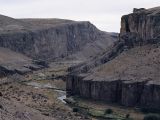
(34, 55)
(43, 61)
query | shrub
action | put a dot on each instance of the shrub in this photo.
(75, 109)
(1, 94)
(152, 117)
(108, 111)
(127, 115)
(1, 107)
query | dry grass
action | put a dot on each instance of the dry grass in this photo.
(139, 62)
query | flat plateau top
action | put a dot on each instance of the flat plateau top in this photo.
(11, 25)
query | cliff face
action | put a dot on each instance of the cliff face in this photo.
(132, 77)
(51, 42)
(141, 27)
(123, 92)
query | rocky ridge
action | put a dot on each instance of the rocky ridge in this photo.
(49, 38)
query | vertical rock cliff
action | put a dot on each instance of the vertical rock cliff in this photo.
(49, 38)
(141, 27)
(51, 42)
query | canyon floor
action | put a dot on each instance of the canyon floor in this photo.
(37, 93)
(40, 95)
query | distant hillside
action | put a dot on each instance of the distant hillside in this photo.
(51, 39)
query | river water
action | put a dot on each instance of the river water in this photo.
(61, 93)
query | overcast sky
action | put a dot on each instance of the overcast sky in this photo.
(105, 14)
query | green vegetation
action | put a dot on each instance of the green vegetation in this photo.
(108, 111)
(95, 113)
(75, 110)
(101, 114)
(128, 116)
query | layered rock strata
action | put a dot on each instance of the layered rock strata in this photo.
(48, 38)
(141, 27)
(128, 93)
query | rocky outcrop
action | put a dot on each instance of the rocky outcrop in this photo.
(12, 62)
(131, 93)
(127, 93)
(138, 9)
(141, 27)
(151, 95)
(6, 71)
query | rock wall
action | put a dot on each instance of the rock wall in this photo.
(127, 93)
(4, 71)
(141, 27)
(52, 42)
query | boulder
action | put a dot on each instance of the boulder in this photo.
(138, 9)
(22, 70)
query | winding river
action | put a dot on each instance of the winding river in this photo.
(61, 93)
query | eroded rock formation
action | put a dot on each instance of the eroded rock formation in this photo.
(141, 27)
(48, 38)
